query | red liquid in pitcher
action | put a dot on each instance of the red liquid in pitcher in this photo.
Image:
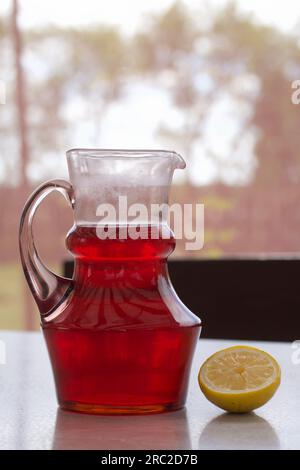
(124, 342)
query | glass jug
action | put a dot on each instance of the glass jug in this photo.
(118, 337)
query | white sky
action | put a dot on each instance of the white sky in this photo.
(129, 13)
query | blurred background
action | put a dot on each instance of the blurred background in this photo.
(210, 79)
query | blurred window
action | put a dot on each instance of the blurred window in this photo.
(213, 82)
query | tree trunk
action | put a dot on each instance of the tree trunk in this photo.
(21, 116)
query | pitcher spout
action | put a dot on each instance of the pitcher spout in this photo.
(102, 177)
(179, 162)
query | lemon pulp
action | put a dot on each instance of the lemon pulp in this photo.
(240, 378)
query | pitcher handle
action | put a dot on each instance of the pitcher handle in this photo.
(48, 289)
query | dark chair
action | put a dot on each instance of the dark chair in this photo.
(250, 299)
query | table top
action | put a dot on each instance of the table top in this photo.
(30, 418)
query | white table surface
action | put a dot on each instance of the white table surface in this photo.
(30, 418)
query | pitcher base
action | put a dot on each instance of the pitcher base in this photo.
(119, 410)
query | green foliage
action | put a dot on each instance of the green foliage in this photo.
(99, 52)
(166, 38)
(218, 203)
(175, 29)
(11, 287)
(95, 64)
(274, 57)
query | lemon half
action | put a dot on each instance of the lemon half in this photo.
(239, 379)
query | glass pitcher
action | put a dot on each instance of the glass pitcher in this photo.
(118, 337)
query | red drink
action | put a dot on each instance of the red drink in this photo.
(124, 342)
